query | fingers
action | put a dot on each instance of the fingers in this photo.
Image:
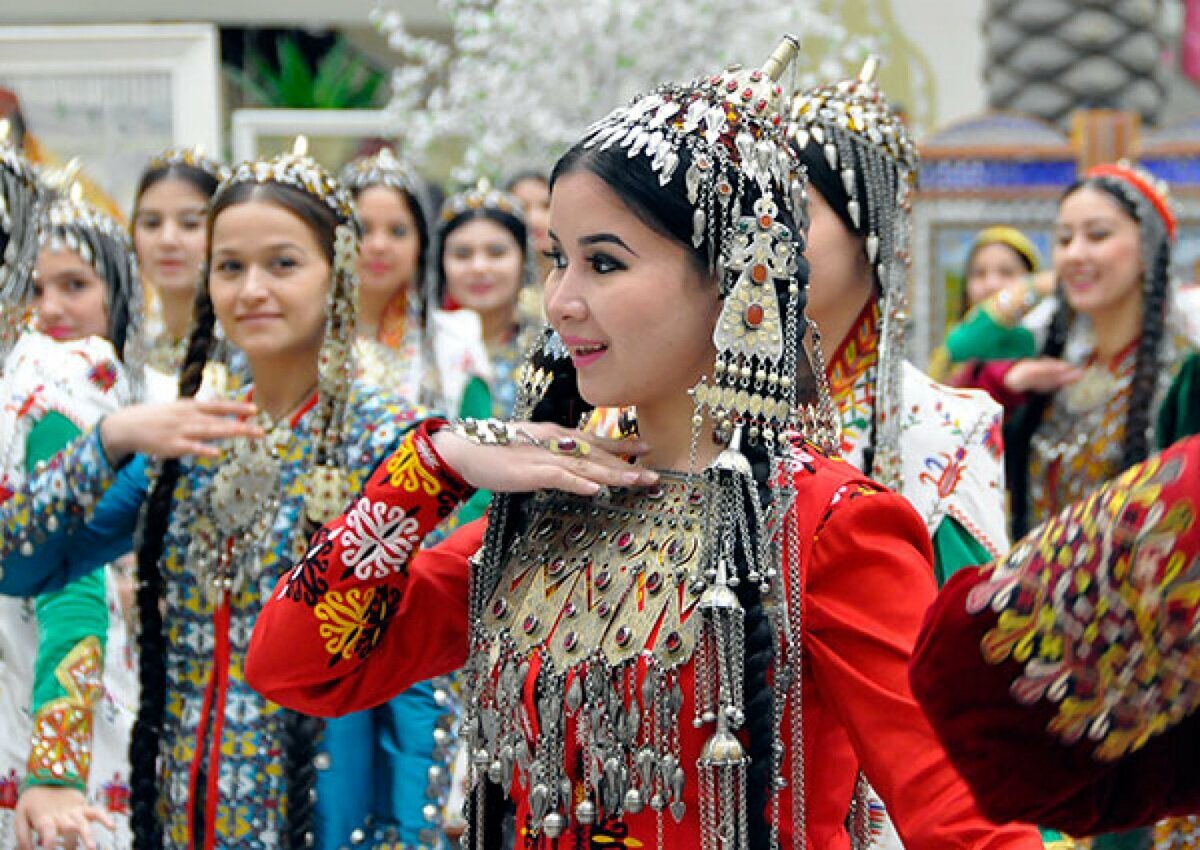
(47, 831)
(98, 815)
(226, 407)
(24, 832)
(221, 428)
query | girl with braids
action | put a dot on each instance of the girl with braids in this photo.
(1107, 362)
(68, 685)
(696, 649)
(214, 765)
(169, 206)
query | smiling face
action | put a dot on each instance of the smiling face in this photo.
(391, 245)
(168, 235)
(631, 305)
(482, 263)
(269, 282)
(68, 297)
(1097, 253)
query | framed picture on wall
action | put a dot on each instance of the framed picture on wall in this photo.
(113, 96)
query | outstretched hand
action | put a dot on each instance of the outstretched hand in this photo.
(185, 426)
(542, 456)
(61, 817)
(1040, 375)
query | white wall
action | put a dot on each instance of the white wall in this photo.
(949, 34)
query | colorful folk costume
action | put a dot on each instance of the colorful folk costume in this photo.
(484, 386)
(1064, 679)
(1065, 444)
(937, 446)
(398, 357)
(955, 365)
(215, 765)
(703, 664)
(416, 730)
(68, 679)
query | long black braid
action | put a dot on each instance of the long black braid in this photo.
(1019, 431)
(1148, 363)
(147, 730)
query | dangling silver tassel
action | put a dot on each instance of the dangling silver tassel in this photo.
(723, 761)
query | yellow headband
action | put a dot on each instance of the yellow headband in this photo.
(1013, 238)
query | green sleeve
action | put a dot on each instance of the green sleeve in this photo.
(954, 548)
(980, 337)
(72, 631)
(1179, 414)
(49, 435)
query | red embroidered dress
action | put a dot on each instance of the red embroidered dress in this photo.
(361, 618)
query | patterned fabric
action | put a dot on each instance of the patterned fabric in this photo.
(1079, 442)
(1062, 680)
(860, 568)
(1074, 636)
(80, 380)
(952, 460)
(66, 674)
(215, 725)
(62, 734)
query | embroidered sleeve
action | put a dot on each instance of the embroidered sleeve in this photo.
(1064, 679)
(333, 612)
(61, 751)
(72, 516)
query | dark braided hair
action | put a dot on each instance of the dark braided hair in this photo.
(147, 730)
(1019, 431)
(300, 733)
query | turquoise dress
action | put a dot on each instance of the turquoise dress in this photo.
(382, 773)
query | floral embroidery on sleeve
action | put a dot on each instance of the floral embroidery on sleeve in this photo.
(352, 623)
(1100, 607)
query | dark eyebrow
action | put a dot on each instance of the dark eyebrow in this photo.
(603, 238)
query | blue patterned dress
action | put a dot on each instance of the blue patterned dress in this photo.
(381, 773)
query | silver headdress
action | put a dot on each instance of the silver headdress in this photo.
(730, 126)
(193, 157)
(483, 195)
(706, 536)
(866, 144)
(21, 193)
(69, 223)
(381, 169)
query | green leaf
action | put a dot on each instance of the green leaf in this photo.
(295, 76)
(328, 80)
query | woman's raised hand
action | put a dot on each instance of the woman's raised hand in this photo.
(185, 426)
(1040, 375)
(510, 457)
